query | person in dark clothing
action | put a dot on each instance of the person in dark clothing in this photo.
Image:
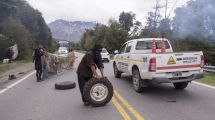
(37, 54)
(87, 68)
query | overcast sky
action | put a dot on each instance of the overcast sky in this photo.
(96, 10)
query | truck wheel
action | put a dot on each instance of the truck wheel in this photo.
(117, 73)
(180, 85)
(65, 85)
(137, 80)
(98, 92)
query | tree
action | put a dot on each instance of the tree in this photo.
(32, 19)
(153, 19)
(4, 44)
(126, 19)
(136, 30)
(111, 36)
(18, 33)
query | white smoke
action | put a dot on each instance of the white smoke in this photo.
(196, 19)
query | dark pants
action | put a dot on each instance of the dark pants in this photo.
(81, 82)
(39, 74)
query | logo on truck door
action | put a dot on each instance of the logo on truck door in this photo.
(171, 61)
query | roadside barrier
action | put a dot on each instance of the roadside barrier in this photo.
(209, 68)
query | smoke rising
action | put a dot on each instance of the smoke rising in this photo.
(196, 19)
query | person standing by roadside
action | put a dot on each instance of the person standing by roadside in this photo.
(71, 57)
(37, 54)
(87, 68)
(45, 65)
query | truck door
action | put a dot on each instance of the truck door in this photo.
(121, 59)
(127, 57)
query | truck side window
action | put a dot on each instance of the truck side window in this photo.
(122, 50)
(141, 45)
(128, 49)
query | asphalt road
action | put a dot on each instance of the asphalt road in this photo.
(30, 100)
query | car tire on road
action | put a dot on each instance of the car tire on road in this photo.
(98, 92)
(137, 81)
(181, 85)
(117, 73)
(65, 85)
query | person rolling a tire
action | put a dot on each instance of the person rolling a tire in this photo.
(87, 68)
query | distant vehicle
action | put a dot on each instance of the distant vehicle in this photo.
(63, 43)
(63, 50)
(135, 58)
(105, 55)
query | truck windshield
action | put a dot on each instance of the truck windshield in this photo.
(143, 45)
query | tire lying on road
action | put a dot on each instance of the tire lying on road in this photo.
(98, 92)
(65, 85)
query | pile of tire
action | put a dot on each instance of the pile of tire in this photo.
(98, 92)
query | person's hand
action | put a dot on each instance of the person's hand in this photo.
(98, 77)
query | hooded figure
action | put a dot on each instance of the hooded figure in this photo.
(37, 54)
(97, 49)
(87, 68)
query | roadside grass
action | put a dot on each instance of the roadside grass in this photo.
(2, 69)
(209, 78)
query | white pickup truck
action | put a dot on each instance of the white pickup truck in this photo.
(135, 58)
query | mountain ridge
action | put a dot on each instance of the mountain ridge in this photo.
(69, 30)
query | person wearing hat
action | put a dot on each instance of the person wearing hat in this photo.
(87, 68)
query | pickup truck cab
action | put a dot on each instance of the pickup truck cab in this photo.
(135, 58)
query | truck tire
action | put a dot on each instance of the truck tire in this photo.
(98, 92)
(180, 85)
(117, 73)
(65, 85)
(137, 80)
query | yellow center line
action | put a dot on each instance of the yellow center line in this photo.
(128, 106)
(120, 109)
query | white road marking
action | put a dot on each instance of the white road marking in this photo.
(19, 81)
(205, 85)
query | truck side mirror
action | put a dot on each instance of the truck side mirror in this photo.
(116, 51)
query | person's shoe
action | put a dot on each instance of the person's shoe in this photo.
(86, 103)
